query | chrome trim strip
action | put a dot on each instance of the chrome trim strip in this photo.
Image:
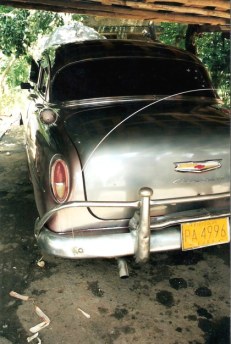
(173, 220)
(190, 199)
(187, 216)
(110, 100)
(107, 246)
(135, 204)
(40, 223)
(167, 223)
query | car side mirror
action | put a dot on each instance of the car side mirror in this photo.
(26, 86)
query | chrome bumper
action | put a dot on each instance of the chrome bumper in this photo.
(144, 237)
(105, 245)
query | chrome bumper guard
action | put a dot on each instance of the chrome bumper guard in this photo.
(142, 239)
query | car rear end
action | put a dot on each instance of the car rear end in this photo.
(149, 158)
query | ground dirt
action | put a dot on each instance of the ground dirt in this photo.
(175, 298)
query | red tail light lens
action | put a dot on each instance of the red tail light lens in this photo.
(60, 180)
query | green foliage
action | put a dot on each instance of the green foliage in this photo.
(20, 28)
(172, 34)
(12, 32)
(42, 23)
(212, 49)
(18, 72)
(79, 17)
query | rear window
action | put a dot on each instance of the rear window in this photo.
(128, 77)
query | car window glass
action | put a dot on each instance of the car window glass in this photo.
(43, 80)
(128, 77)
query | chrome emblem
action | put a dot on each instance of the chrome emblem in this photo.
(197, 166)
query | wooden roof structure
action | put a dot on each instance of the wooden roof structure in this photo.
(208, 12)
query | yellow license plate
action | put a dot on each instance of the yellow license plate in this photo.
(205, 233)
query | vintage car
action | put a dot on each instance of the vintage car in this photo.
(128, 149)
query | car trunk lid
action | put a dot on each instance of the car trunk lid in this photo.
(125, 146)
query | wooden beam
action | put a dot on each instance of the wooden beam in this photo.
(176, 9)
(214, 28)
(117, 11)
(223, 4)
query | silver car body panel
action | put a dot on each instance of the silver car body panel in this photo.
(145, 149)
(114, 144)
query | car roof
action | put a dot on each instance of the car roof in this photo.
(92, 49)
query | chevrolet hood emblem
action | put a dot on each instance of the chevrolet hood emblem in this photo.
(197, 166)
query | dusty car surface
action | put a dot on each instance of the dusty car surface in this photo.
(128, 150)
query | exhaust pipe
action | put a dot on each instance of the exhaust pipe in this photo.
(123, 268)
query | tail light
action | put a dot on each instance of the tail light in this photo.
(60, 180)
